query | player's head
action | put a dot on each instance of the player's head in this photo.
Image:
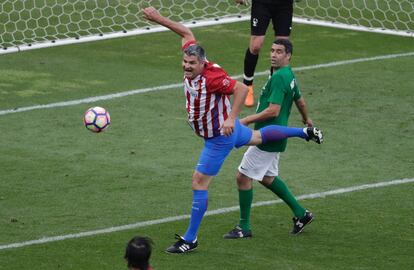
(285, 43)
(194, 58)
(138, 252)
(281, 52)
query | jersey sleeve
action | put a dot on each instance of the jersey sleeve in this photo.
(219, 81)
(278, 90)
(296, 91)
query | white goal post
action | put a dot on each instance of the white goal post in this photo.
(30, 24)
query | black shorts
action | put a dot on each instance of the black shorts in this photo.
(280, 12)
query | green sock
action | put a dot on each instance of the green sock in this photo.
(279, 188)
(245, 202)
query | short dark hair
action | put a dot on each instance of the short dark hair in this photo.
(285, 43)
(138, 251)
(196, 50)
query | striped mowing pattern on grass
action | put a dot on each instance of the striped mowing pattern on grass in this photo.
(177, 85)
(208, 213)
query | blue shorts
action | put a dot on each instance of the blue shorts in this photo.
(216, 149)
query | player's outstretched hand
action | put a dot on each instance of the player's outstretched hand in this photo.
(150, 13)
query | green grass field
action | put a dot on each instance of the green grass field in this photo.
(57, 178)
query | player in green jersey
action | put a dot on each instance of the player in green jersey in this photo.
(261, 162)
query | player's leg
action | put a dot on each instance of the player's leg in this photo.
(250, 62)
(243, 135)
(274, 133)
(250, 58)
(278, 187)
(245, 190)
(274, 183)
(282, 13)
(211, 159)
(189, 242)
(254, 165)
(302, 217)
(259, 21)
(199, 205)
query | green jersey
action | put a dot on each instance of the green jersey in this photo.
(280, 89)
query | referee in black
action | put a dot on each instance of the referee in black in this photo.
(280, 12)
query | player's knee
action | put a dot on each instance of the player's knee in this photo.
(255, 49)
(243, 182)
(267, 181)
(256, 138)
(200, 181)
(197, 178)
(256, 43)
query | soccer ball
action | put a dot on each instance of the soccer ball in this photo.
(96, 119)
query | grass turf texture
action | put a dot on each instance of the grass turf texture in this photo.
(58, 178)
(365, 235)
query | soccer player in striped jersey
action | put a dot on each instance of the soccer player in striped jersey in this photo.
(211, 115)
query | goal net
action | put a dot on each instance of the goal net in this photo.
(382, 16)
(29, 24)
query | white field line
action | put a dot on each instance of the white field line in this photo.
(208, 213)
(178, 85)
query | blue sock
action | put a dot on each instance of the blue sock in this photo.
(275, 133)
(200, 203)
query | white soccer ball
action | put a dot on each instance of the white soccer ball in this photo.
(96, 119)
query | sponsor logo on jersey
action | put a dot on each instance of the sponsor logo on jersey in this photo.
(226, 82)
(292, 84)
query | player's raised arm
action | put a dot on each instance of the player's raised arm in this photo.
(151, 14)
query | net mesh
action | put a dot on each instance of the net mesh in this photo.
(26, 22)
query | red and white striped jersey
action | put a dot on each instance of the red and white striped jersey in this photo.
(207, 99)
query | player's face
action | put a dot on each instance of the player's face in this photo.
(192, 66)
(278, 56)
